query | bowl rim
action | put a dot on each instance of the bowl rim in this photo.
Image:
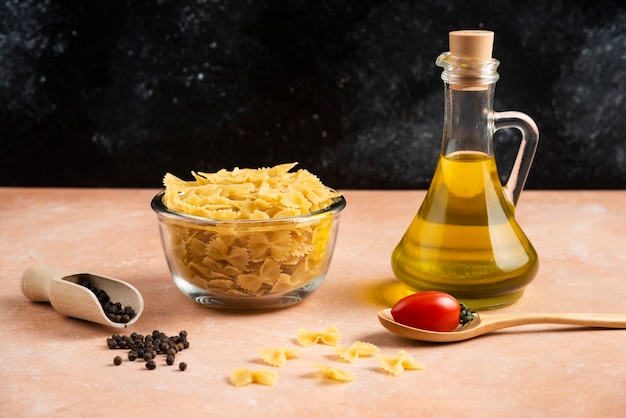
(157, 205)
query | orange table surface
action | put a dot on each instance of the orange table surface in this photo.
(52, 365)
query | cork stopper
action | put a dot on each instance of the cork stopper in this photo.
(474, 44)
(468, 65)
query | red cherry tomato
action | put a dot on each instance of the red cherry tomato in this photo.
(431, 310)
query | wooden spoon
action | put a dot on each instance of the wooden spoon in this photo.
(68, 297)
(488, 322)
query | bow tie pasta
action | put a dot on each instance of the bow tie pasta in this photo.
(239, 254)
(246, 193)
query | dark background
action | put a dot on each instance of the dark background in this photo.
(110, 93)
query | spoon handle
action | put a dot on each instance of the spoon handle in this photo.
(36, 281)
(601, 320)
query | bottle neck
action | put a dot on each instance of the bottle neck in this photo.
(468, 120)
(469, 86)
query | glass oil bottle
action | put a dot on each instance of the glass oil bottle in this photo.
(464, 240)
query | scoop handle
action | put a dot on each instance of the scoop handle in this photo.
(36, 280)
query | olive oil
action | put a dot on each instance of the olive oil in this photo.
(464, 240)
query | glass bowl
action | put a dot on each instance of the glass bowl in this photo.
(248, 264)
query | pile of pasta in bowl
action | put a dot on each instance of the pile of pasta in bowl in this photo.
(248, 238)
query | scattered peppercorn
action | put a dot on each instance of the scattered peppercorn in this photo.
(150, 346)
(117, 360)
(113, 311)
(182, 366)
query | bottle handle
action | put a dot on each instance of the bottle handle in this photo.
(525, 154)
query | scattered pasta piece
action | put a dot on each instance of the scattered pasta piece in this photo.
(277, 357)
(241, 376)
(329, 336)
(398, 364)
(356, 350)
(334, 373)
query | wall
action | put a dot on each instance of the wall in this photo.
(111, 93)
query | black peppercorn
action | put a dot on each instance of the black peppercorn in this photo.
(117, 360)
(150, 346)
(182, 366)
(114, 311)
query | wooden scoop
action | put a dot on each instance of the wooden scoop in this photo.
(488, 322)
(68, 297)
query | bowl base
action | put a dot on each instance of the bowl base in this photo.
(235, 302)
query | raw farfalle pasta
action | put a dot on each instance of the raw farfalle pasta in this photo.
(241, 376)
(329, 336)
(243, 258)
(398, 364)
(356, 350)
(335, 373)
(247, 193)
(277, 357)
